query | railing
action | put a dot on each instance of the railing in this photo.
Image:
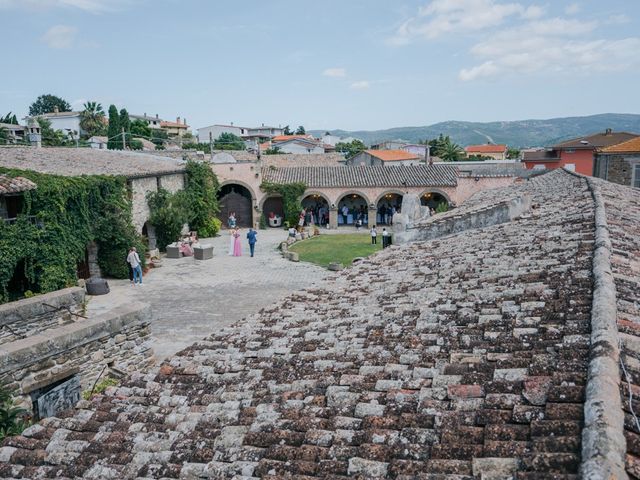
(32, 219)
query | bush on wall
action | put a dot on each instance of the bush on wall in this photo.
(71, 212)
(291, 193)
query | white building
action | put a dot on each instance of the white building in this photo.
(299, 145)
(251, 135)
(67, 122)
(153, 122)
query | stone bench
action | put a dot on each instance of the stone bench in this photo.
(203, 252)
(173, 251)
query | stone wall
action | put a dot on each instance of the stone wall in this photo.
(31, 316)
(118, 339)
(172, 183)
(140, 187)
(617, 168)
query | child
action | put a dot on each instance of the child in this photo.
(385, 238)
(358, 224)
(374, 236)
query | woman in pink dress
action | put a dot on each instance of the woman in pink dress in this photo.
(237, 246)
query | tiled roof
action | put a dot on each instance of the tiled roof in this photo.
(362, 176)
(597, 141)
(173, 125)
(630, 146)
(541, 156)
(486, 149)
(393, 155)
(286, 138)
(461, 358)
(15, 184)
(86, 161)
(302, 160)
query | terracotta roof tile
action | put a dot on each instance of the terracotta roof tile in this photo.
(597, 141)
(486, 149)
(15, 184)
(393, 155)
(630, 146)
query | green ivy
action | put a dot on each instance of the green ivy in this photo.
(196, 205)
(291, 193)
(71, 212)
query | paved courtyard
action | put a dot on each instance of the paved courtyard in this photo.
(192, 299)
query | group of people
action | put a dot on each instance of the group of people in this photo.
(235, 245)
(386, 237)
(386, 213)
(317, 214)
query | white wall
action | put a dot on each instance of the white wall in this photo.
(297, 148)
(217, 130)
(64, 123)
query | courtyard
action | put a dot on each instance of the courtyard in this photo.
(192, 299)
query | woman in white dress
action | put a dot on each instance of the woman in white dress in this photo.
(232, 232)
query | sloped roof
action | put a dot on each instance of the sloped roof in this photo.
(173, 125)
(486, 149)
(447, 359)
(364, 176)
(286, 138)
(630, 146)
(86, 161)
(393, 155)
(596, 141)
(10, 185)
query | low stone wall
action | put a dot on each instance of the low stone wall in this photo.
(485, 216)
(31, 316)
(118, 339)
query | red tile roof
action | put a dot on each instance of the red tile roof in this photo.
(630, 146)
(393, 155)
(173, 125)
(286, 138)
(15, 184)
(486, 149)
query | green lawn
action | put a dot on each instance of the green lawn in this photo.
(342, 248)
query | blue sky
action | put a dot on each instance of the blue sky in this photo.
(352, 64)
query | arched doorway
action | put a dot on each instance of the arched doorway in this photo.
(237, 199)
(273, 211)
(317, 208)
(149, 234)
(352, 207)
(433, 199)
(388, 204)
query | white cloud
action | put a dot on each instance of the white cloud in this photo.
(442, 17)
(335, 72)
(60, 36)
(90, 6)
(620, 19)
(572, 9)
(361, 85)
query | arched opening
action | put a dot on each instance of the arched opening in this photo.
(149, 235)
(273, 211)
(351, 208)
(388, 204)
(433, 199)
(316, 208)
(237, 199)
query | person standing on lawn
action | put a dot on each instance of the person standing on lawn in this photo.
(374, 235)
(251, 237)
(134, 260)
(385, 238)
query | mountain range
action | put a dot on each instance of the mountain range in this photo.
(520, 133)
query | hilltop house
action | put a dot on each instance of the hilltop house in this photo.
(577, 154)
(251, 135)
(175, 129)
(152, 122)
(68, 122)
(386, 157)
(297, 144)
(497, 152)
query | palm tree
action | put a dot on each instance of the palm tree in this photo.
(450, 152)
(92, 119)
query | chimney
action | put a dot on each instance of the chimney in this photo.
(608, 131)
(185, 122)
(56, 109)
(178, 120)
(232, 124)
(145, 114)
(156, 115)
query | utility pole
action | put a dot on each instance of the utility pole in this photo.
(211, 143)
(124, 140)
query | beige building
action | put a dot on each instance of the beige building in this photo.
(175, 129)
(497, 152)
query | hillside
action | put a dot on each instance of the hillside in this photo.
(522, 133)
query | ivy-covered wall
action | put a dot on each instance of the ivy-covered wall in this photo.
(70, 212)
(291, 193)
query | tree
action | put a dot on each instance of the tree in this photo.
(450, 152)
(301, 131)
(274, 150)
(4, 136)
(92, 119)
(125, 123)
(140, 128)
(9, 118)
(47, 103)
(351, 149)
(228, 141)
(513, 153)
(114, 142)
(287, 131)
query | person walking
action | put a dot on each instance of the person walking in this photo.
(374, 235)
(133, 259)
(232, 220)
(252, 238)
(237, 247)
(129, 266)
(385, 238)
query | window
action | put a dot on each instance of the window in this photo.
(636, 175)
(570, 150)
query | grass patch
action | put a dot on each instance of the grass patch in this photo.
(342, 248)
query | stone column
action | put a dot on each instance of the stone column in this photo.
(373, 214)
(333, 218)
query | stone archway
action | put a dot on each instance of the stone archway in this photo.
(273, 211)
(235, 198)
(317, 207)
(433, 199)
(351, 207)
(388, 203)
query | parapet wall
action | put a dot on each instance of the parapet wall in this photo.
(30, 316)
(484, 216)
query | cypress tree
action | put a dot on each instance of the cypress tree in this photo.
(114, 142)
(125, 123)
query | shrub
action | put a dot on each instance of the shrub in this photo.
(442, 207)
(100, 387)
(135, 144)
(13, 419)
